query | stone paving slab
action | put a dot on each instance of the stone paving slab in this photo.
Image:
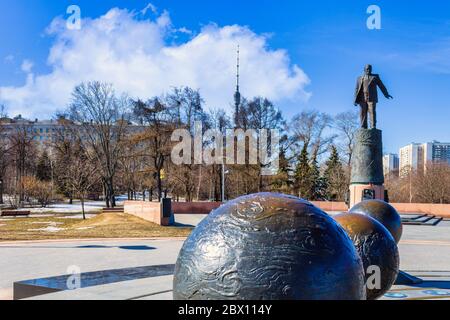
(146, 289)
(435, 286)
(27, 261)
(423, 253)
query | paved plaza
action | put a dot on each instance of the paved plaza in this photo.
(424, 252)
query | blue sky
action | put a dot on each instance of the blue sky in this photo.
(327, 40)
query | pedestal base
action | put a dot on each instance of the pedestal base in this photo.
(357, 192)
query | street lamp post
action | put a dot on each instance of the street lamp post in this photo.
(224, 172)
(1, 191)
(223, 182)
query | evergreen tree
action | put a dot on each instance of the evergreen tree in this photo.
(318, 184)
(43, 167)
(302, 175)
(334, 177)
(281, 181)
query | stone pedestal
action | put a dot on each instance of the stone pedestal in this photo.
(357, 192)
(367, 166)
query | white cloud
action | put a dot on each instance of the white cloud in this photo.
(138, 57)
(150, 7)
(26, 66)
(184, 30)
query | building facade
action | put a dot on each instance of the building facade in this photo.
(44, 132)
(416, 156)
(438, 151)
(390, 164)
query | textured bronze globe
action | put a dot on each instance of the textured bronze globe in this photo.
(268, 246)
(376, 247)
(384, 213)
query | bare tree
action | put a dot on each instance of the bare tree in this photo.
(3, 113)
(309, 128)
(36, 190)
(428, 185)
(81, 175)
(218, 120)
(131, 168)
(22, 151)
(63, 148)
(186, 104)
(159, 125)
(4, 148)
(101, 120)
(433, 183)
(4, 160)
(346, 124)
(261, 113)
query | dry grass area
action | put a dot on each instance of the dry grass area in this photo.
(107, 225)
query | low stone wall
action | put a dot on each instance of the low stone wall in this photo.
(207, 207)
(149, 211)
(441, 210)
(194, 207)
(330, 206)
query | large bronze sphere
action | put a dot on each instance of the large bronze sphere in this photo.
(384, 213)
(377, 247)
(268, 246)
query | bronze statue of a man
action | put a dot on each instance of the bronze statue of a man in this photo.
(366, 95)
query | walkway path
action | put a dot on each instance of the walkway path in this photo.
(423, 250)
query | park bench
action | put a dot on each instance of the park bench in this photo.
(14, 213)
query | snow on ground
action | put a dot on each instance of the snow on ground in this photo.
(65, 207)
(48, 229)
(40, 215)
(78, 216)
(51, 227)
(45, 222)
(91, 206)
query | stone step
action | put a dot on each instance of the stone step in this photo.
(422, 220)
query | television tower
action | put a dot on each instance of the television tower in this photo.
(237, 94)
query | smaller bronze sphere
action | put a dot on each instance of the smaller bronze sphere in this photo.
(384, 213)
(377, 249)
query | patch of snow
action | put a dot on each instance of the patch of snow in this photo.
(48, 229)
(44, 222)
(85, 228)
(51, 227)
(78, 216)
(50, 223)
(65, 207)
(41, 215)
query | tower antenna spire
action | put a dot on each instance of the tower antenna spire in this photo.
(237, 94)
(237, 74)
